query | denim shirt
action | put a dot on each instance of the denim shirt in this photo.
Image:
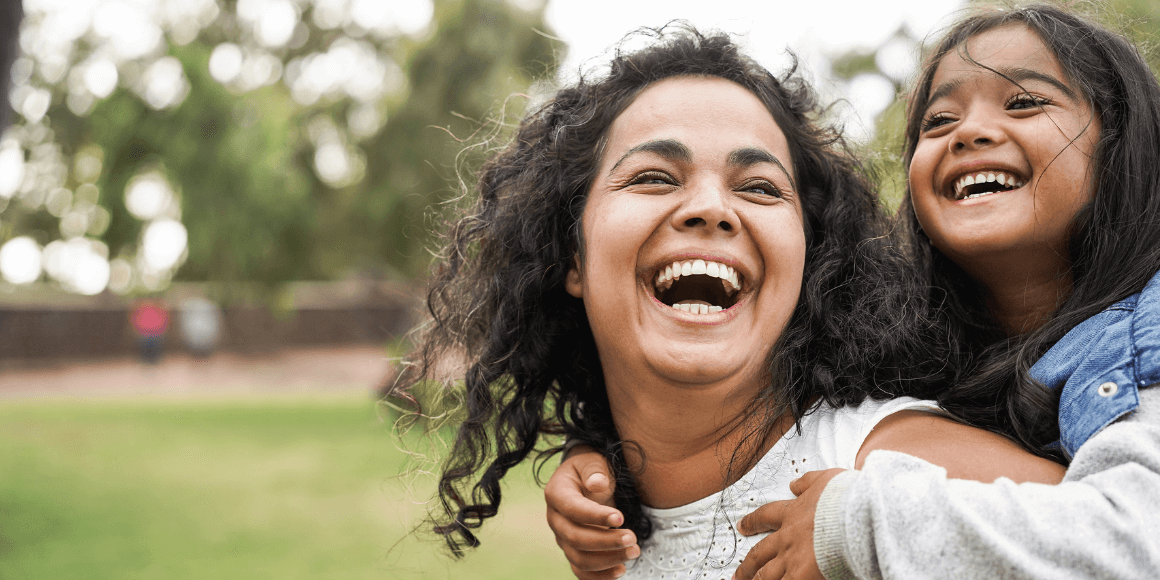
(1101, 365)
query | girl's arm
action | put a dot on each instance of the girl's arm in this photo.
(581, 514)
(965, 452)
(962, 451)
(902, 517)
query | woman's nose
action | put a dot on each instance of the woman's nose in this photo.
(707, 209)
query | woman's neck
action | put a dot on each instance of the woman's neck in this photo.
(696, 441)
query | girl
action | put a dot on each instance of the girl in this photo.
(1068, 270)
(672, 263)
(1032, 143)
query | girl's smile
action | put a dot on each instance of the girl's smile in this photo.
(693, 238)
(1003, 162)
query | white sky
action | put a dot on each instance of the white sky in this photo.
(812, 28)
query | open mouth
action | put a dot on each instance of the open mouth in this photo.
(698, 286)
(985, 183)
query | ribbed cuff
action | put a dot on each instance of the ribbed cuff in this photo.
(829, 531)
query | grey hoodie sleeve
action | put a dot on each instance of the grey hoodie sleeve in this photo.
(900, 517)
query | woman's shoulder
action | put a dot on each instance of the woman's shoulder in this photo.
(835, 434)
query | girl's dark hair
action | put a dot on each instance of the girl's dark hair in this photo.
(1114, 246)
(498, 302)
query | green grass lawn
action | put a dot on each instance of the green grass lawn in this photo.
(234, 488)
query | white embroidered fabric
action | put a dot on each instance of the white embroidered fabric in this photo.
(698, 540)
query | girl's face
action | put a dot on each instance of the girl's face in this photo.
(694, 243)
(1000, 170)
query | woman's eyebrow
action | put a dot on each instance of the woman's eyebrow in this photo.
(747, 156)
(670, 149)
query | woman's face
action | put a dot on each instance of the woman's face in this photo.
(693, 237)
(1000, 170)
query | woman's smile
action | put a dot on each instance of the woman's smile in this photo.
(693, 238)
(698, 286)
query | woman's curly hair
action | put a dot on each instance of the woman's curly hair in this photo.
(498, 303)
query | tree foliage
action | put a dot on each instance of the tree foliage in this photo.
(271, 182)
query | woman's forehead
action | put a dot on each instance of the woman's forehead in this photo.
(699, 112)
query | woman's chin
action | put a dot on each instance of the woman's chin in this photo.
(703, 366)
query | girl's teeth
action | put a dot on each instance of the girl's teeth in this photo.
(1003, 179)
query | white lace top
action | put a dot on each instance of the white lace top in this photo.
(697, 540)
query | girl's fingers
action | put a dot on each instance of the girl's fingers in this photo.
(609, 574)
(600, 561)
(564, 494)
(774, 570)
(588, 538)
(801, 484)
(767, 518)
(598, 487)
(574, 506)
(761, 553)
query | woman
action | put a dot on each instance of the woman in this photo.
(673, 264)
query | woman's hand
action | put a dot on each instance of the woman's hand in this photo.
(789, 551)
(581, 514)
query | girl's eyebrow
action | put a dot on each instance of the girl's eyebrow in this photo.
(670, 149)
(944, 90)
(1020, 74)
(1014, 74)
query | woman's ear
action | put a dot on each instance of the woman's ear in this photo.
(573, 283)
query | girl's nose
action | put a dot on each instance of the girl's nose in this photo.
(707, 210)
(976, 132)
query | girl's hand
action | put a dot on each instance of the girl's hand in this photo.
(789, 551)
(581, 514)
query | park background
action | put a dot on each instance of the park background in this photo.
(287, 162)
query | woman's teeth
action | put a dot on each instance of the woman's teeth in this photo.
(674, 271)
(1005, 180)
(697, 308)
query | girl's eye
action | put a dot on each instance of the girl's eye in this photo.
(761, 187)
(652, 178)
(935, 120)
(1026, 101)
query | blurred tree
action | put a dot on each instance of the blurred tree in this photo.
(258, 141)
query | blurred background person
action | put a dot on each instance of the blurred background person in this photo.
(200, 326)
(150, 322)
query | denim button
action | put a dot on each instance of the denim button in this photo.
(1108, 389)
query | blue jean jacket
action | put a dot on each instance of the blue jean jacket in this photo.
(1101, 365)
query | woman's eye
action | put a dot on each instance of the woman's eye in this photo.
(934, 121)
(1026, 101)
(762, 188)
(652, 178)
